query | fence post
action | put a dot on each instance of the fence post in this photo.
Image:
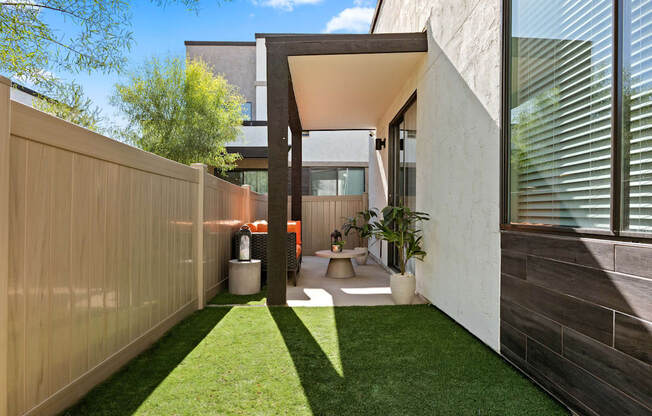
(5, 131)
(198, 230)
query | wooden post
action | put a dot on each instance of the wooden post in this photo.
(277, 143)
(296, 174)
(198, 230)
(5, 131)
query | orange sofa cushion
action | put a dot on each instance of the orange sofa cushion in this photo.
(261, 226)
(295, 227)
(298, 250)
(252, 227)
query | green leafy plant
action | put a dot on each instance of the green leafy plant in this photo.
(181, 111)
(360, 224)
(399, 226)
(339, 243)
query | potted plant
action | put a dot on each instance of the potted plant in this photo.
(338, 246)
(360, 224)
(400, 226)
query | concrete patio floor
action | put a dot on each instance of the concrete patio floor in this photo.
(369, 287)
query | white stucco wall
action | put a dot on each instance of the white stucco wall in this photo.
(458, 88)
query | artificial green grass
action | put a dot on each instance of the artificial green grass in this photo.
(385, 360)
(226, 298)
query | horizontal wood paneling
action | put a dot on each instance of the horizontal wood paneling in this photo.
(585, 387)
(597, 294)
(629, 294)
(533, 324)
(590, 319)
(620, 370)
(634, 337)
(634, 260)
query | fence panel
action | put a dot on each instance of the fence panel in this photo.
(323, 214)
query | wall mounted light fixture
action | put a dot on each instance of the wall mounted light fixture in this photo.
(380, 144)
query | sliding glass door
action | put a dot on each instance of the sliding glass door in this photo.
(403, 164)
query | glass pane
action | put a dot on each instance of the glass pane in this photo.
(246, 111)
(409, 162)
(257, 179)
(350, 181)
(560, 109)
(637, 116)
(323, 182)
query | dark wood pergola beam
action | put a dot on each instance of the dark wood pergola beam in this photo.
(282, 113)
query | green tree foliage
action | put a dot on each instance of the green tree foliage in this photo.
(71, 105)
(31, 48)
(183, 113)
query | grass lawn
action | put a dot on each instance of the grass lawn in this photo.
(226, 298)
(385, 360)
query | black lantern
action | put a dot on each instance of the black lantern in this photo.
(244, 243)
(336, 241)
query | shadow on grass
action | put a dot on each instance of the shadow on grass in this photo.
(405, 360)
(126, 390)
(226, 298)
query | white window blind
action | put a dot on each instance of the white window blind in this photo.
(561, 70)
(637, 116)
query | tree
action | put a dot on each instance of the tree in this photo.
(30, 48)
(71, 105)
(182, 113)
(33, 50)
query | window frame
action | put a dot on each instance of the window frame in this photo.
(616, 200)
(337, 171)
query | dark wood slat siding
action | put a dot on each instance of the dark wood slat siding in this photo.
(634, 337)
(623, 372)
(598, 294)
(617, 291)
(634, 260)
(590, 319)
(588, 389)
(533, 324)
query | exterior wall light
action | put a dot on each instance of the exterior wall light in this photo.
(380, 144)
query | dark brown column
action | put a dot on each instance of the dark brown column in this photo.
(297, 139)
(277, 143)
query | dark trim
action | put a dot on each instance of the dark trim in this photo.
(217, 43)
(29, 91)
(617, 219)
(393, 162)
(249, 123)
(249, 152)
(379, 5)
(505, 115)
(342, 44)
(616, 115)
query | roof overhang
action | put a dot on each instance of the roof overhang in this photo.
(348, 91)
(342, 82)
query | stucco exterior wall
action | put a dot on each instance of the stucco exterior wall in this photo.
(458, 146)
(237, 63)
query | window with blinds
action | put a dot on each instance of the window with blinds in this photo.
(560, 110)
(637, 116)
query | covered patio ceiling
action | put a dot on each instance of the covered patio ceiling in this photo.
(349, 91)
(323, 82)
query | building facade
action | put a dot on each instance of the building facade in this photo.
(334, 162)
(533, 157)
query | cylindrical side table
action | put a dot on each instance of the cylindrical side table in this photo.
(244, 277)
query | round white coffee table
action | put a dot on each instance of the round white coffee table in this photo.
(339, 264)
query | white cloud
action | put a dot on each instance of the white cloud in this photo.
(353, 19)
(284, 4)
(363, 3)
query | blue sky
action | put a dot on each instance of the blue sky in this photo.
(159, 31)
